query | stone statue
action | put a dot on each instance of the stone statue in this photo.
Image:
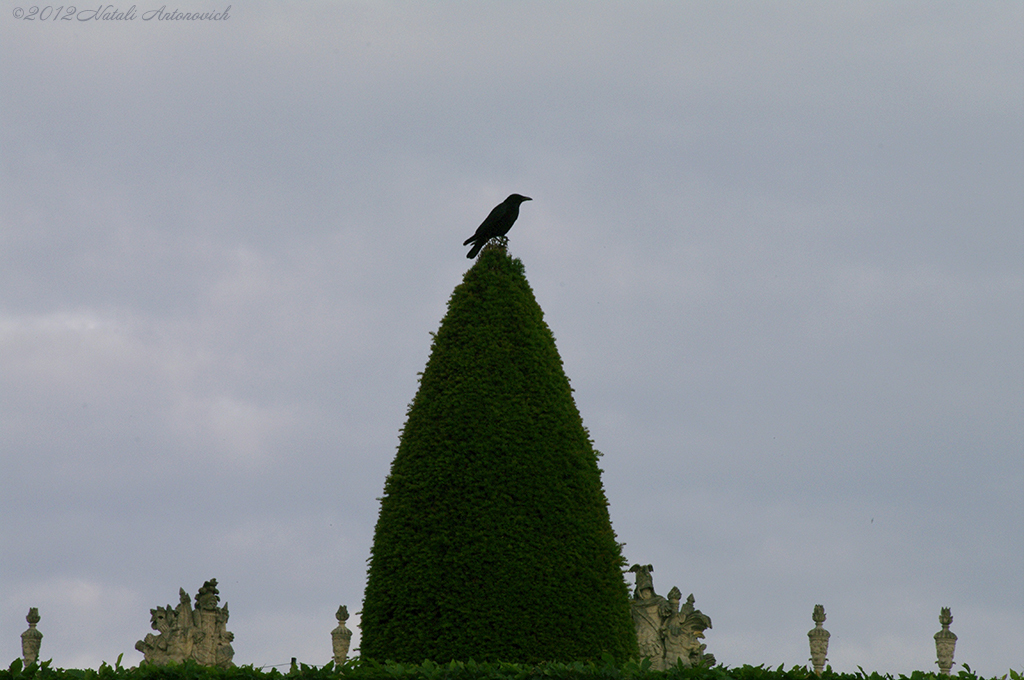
(665, 633)
(683, 633)
(157, 648)
(649, 613)
(31, 639)
(213, 643)
(184, 633)
(341, 637)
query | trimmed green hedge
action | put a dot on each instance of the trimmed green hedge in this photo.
(494, 540)
(357, 669)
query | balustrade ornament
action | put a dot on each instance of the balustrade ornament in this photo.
(945, 642)
(667, 633)
(31, 639)
(184, 633)
(341, 637)
(818, 637)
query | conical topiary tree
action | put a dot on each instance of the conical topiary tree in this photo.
(494, 541)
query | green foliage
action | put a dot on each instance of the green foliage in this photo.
(604, 669)
(494, 540)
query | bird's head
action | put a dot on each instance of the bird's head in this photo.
(517, 198)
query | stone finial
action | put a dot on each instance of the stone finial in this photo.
(341, 637)
(818, 637)
(945, 642)
(31, 639)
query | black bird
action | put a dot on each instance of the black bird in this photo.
(497, 223)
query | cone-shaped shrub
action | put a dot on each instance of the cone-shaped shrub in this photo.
(494, 541)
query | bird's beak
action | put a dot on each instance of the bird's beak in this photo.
(527, 198)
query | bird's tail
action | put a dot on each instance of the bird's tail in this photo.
(474, 250)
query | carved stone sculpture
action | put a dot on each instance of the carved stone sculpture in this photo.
(818, 638)
(649, 613)
(31, 639)
(945, 642)
(341, 637)
(684, 631)
(157, 648)
(184, 633)
(213, 646)
(666, 633)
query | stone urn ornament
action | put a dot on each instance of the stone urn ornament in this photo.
(341, 637)
(818, 637)
(945, 642)
(31, 639)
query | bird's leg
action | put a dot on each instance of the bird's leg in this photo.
(499, 242)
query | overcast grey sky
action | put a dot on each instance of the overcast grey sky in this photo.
(780, 247)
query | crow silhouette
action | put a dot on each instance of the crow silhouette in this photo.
(497, 223)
